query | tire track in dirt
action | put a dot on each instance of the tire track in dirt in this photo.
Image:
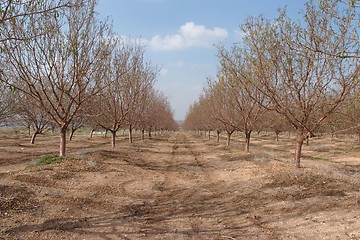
(184, 157)
(192, 198)
(180, 188)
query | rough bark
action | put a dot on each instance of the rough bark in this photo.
(113, 137)
(217, 136)
(300, 137)
(247, 141)
(63, 141)
(228, 138)
(130, 134)
(72, 134)
(277, 136)
(142, 134)
(32, 141)
(91, 133)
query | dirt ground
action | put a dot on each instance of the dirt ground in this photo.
(179, 186)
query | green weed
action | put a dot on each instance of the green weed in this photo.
(47, 159)
(316, 158)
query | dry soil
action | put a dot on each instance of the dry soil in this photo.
(179, 186)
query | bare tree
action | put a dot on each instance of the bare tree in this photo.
(205, 116)
(346, 120)
(6, 103)
(247, 100)
(148, 112)
(294, 70)
(352, 115)
(31, 116)
(164, 116)
(192, 121)
(276, 123)
(76, 123)
(61, 67)
(199, 116)
(342, 16)
(127, 77)
(140, 88)
(223, 107)
(14, 13)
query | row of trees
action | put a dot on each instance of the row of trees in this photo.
(300, 74)
(63, 66)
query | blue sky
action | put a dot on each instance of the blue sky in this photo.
(181, 36)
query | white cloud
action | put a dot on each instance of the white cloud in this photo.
(189, 35)
(173, 42)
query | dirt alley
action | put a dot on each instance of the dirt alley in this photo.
(176, 186)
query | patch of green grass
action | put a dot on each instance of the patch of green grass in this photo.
(47, 159)
(316, 158)
(202, 202)
(181, 171)
(218, 220)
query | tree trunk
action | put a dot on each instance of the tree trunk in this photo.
(217, 136)
(247, 141)
(72, 134)
(63, 141)
(277, 136)
(130, 134)
(209, 134)
(32, 141)
(91, 133)
(228, 138)
(300, 137)
(142, 134)
(149, 132)
(113, 137)
(106, 131)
